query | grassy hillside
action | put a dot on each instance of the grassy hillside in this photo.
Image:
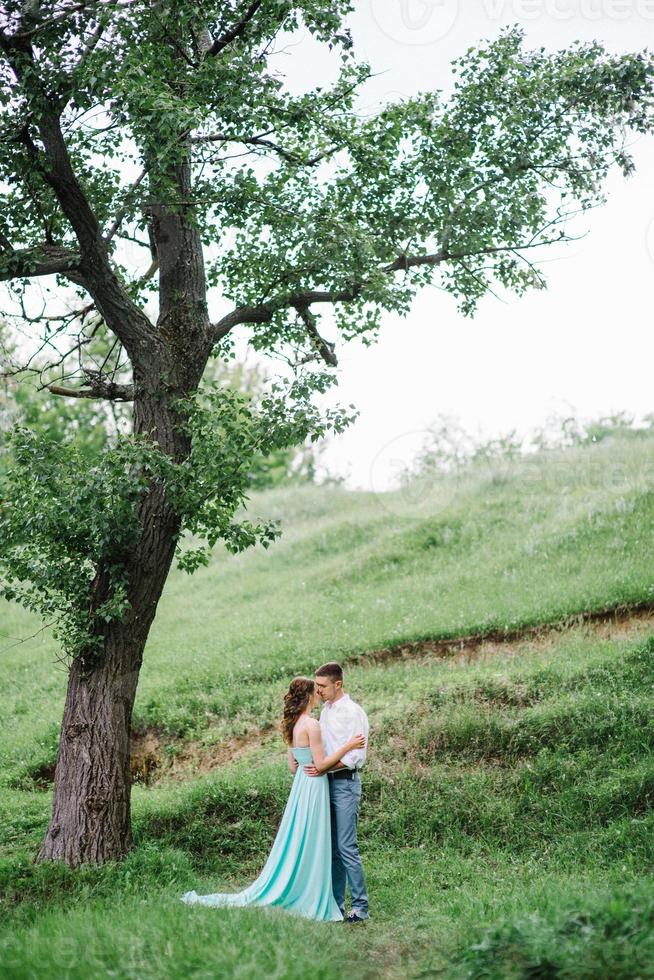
(504, 544)
(508, 812)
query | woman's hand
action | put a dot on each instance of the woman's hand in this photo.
(356, 742)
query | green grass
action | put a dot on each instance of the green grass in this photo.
(507, 821)
(472, 857)
(609, 935)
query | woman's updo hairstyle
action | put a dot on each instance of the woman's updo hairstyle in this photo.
(295, 702)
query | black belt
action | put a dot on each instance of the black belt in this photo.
(342, 774)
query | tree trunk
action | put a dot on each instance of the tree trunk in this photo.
(90, 819)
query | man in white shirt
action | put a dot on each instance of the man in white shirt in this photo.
(340, 719)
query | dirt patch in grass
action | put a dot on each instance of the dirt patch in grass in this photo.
(617, 623)
(43, 776)
(155, 756)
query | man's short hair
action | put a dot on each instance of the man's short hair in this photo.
(332, 670)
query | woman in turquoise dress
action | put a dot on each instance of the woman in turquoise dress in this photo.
(298, 873)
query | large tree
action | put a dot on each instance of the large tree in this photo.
(168, 129)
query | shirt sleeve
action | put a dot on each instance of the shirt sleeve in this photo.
(355, 722)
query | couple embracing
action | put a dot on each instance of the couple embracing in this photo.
(315, 851)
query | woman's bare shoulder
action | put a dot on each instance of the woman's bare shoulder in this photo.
(312, 724)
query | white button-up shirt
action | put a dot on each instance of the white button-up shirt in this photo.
(339, 721)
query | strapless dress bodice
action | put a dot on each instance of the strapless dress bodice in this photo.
(302, 755)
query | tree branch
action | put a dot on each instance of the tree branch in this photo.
(66, 89)
(263, 312)
(120, 312)
(324, 347)
(41, 260)
(90, 45)
(301, 301)
(123, 211)
(22, 34)
(268, 144)
(99, 387)
(236, 31)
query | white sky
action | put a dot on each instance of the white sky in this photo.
(585, 344)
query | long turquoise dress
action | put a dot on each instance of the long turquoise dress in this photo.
(298, 873)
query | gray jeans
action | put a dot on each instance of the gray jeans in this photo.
(345, 797)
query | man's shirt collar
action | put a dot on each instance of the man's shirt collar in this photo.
(335, 704)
